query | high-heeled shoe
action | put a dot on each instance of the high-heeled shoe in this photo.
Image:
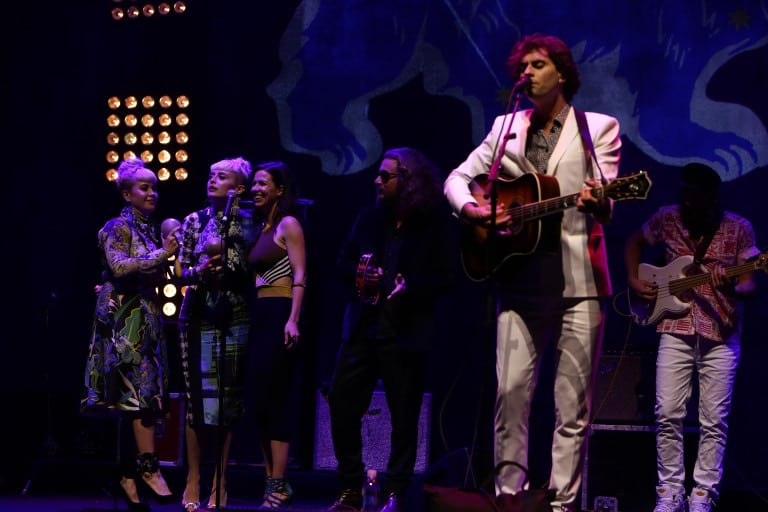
(189, 506)
(222, 499)
(278, 494)
(148, 468)
(119, 491)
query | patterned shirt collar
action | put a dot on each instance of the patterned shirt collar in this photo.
(539, 146)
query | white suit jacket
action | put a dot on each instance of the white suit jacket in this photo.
(584, 263)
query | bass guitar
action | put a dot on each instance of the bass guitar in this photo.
(531, 200)
(673, 281)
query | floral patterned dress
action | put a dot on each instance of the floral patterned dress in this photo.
(127, 365)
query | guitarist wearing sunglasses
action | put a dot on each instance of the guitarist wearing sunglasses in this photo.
(700, 326)
(553, 272)
(396, 261)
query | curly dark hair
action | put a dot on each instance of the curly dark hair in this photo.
(420, 182)
(557, 50)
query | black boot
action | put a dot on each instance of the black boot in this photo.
(128, 481)
(148, 472)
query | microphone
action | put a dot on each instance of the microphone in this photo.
(214, 246)
(231, 195)
(522, 82)
(169, 225)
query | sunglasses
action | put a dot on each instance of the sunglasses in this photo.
(385, 176)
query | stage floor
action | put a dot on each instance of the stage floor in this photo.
(73, 488)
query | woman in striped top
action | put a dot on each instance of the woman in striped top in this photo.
(278, 263)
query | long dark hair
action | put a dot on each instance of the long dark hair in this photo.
(420, 183)
(282, 176)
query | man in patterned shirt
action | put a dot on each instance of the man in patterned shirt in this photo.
(705, 338)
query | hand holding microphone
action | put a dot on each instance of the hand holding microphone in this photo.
(170, 230)
(214, 249)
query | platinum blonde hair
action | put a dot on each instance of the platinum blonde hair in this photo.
(128, 172)
(240, 166)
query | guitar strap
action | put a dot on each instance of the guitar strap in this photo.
(595, 246)
(589, 148)
(701, 248)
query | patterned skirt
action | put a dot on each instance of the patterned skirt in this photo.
(213, 337)
(127, 365)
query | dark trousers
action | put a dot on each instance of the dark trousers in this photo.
(361, 362)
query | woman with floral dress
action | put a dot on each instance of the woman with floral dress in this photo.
(127, 366)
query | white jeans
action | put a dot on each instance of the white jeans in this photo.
(521, 340)
(716, 365)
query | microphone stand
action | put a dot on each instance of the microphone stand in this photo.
(491, 193)
(49, 447)
(491, 190)
(220, 430)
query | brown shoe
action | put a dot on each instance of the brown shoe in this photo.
(348, 500)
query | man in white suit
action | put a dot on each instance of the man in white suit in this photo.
(553, 288)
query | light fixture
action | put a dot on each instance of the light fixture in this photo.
(135, 9)
(155, 127)
(170, 293)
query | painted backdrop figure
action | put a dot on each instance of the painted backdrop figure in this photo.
(214, 313)
(706, 339)
(127, 367)
(278, 264)
(553, 295)
(408, 233)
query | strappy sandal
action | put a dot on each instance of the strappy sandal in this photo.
(278, 494)
(189, 506)
(222, 499)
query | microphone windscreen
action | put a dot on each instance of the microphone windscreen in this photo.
(169, 225)
(214, 246)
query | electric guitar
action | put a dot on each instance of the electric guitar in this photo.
(532, 200)
(673, 280)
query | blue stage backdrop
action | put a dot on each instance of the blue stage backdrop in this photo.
(327, 85)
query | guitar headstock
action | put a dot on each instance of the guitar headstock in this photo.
(635, 186)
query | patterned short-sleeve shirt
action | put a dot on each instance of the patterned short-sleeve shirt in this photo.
(715, 313)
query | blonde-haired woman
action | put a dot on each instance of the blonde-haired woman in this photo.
(127, 366)
(213, 322)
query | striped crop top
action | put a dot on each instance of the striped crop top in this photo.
(268, 260)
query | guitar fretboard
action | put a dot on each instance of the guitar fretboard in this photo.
(677, 286)
(542, 208)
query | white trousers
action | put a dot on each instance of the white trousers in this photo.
(522, 338)
(715, 364)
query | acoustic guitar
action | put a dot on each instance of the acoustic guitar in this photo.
(531, 200)
(673, 281)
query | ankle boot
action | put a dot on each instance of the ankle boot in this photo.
(148, 471)
(125, 487)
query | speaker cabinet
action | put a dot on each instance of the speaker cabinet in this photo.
(625, 389)
(376, 430)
